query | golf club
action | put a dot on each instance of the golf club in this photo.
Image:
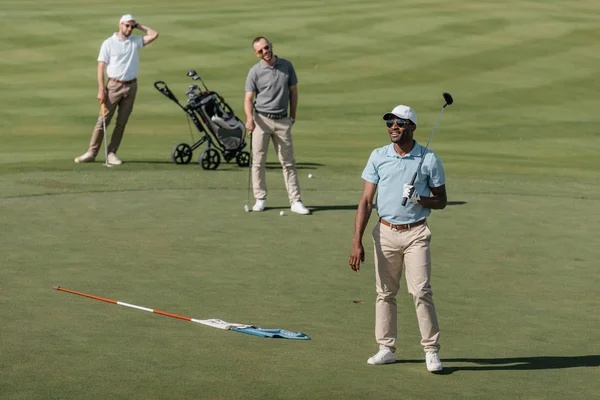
(448, 99)
(194, 75)
(247, 206)
(103, 111)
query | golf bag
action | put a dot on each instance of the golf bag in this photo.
(224, 133)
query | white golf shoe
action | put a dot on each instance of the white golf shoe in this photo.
(434, 364)
(383, 356)
(259, 205)
(113, 159)
(299, 208)
(85, 157)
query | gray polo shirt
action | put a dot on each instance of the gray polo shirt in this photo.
(271, 85)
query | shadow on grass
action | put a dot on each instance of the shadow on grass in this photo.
(270, 165)
(151, 162)
(456, 203)
(299, 165)
(316, 209)
(514, 364)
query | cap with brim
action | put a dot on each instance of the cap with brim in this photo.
(126, 18)
(403, 112)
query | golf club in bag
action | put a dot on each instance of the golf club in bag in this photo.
(449, 100)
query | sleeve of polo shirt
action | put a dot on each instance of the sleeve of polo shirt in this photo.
(436, 174)
(370, 173)
(104, 55)
(139, 41)
(293, 78)
(251, 82)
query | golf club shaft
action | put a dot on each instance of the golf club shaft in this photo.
(249, 170)
(103, 111)
(414, 177)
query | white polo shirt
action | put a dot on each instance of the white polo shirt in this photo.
(121, 56)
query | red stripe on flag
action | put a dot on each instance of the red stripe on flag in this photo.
(171, 315)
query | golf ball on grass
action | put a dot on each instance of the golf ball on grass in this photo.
(281, 213)
(309, 176)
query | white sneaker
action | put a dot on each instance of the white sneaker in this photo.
(432, 359)
(259, 205)
(85, 157)
(299, 208)
(113, 159)
(383, 356)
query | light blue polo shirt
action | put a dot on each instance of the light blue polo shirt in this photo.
(390, 171)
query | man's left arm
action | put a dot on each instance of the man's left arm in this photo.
(293, 101)
(437, 200)
(149, 34)
(437, 186)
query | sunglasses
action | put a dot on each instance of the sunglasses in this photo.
(400, 122)
(129, 26)
(266, 48)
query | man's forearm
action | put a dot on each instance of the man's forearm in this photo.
(293, 103)
(248, 109)
(362, 219)
(101, 69)
(434, 202)
(147, 30)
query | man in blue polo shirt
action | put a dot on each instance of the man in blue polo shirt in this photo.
(402, 237)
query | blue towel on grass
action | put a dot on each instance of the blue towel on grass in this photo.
(273, 333)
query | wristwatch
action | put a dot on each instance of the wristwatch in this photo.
(293, 120)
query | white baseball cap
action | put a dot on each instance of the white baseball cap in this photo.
(403, 112)
(126, 18)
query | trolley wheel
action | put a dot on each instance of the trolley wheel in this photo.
(181, 153)
(210, 159)
(243, 159)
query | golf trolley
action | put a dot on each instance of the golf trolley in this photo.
(223, 132)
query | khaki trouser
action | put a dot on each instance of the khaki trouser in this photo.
(393, 249)
(121, 96)
(281, 132)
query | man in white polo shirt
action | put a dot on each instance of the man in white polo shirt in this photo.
(119, 59)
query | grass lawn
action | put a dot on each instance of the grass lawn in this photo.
(515, 259)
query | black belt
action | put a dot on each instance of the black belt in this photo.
(272, 116)
(401, 227)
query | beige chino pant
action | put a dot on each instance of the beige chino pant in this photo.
(410, 248)
(280, 130)
(121, 96)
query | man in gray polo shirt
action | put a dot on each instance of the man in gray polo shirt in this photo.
(402, 237)
(272, 81)
(119, 59)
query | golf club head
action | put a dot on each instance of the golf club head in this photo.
(448, 98)
(246, 208)
(193, 74)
